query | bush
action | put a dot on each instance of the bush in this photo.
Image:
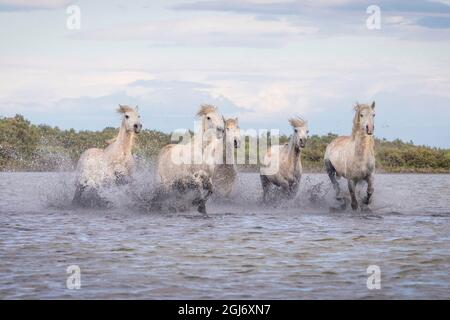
(24, 146)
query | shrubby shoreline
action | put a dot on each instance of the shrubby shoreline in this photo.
(28, 147)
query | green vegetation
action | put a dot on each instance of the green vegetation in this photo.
(28, 147)
(391, 156)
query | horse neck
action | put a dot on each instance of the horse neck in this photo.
(293, 153)
(210, 150)
(364, 144)
(229, 151)
(205, 139)
(124, 141)
(203, 124)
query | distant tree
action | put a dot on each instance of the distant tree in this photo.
(24, 146)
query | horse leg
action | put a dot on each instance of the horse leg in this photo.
(93, 199)
(78, 192)
(201, 203)
(208, 186)
(285, 186)
(265, 186)
(121, 179)
(370, 189)
(293, 189)
(352, 189)
(202, 207)
(295, 186)
(332, 175)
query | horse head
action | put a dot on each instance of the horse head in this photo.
(212, 121)
(131, 118)
(300, 135)
(364, 120)
(232, 132)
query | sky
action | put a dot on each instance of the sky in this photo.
(260, 60)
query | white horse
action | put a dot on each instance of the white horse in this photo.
(180, 162)
(225, 173)
(287, 157)
(353, 157)
(97, 168)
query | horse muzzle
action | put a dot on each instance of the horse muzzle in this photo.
(137, 128)
(302, 143)
(370, 129)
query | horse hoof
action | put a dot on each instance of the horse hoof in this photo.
(202, 209)
(343, 204)
(340, 207)
(354, 205)
(336, 209)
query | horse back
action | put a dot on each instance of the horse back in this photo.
(337, 152)
(89, 155)
(164, 157)
(346, 160)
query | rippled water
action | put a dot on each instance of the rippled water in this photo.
(292, 250)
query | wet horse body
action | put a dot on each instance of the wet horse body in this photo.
(99, 168)
(353, 157)
(225, 173)
(180, 163)
(288, 159)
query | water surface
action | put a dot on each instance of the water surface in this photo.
(291, 250)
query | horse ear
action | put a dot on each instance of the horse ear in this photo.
(373, 105)
(236, 119)
(223, 118)
(137, 108)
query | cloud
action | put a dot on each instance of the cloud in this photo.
(435, 22)
(411, 6)
(397, 20)
(403, 111)
(262, 60)
(164, 105)
(266, 7)
(169, 85)
(262, 7)
(218, 31)
(305, 6)
(333, 17)
(30, 5)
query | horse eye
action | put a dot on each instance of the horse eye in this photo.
(127, 116)
(228, 129)
(374, 114)
(295, 130)
(209, 118)
(361, 115)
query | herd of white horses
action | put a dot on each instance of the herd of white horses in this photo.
(182, 169)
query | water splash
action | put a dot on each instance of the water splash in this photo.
(144, 194)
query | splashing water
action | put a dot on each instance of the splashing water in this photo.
(288, 249)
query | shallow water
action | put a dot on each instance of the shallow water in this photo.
(293, 250)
